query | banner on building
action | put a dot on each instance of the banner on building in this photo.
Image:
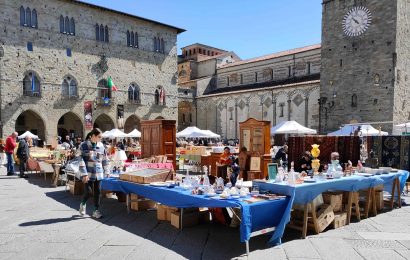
(88, 114)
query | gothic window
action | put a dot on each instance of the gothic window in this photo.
(162, 46)
(354, 100)
(69, 87)
(134, 93)
(31, 85)
(289, 71)
(227, 81)
(128, 38)
(34, 18)
(102, 37)
(65, 88)
(200, 51)
(67, 25)
(73, 89)
(97, 32)
(62, 24)
(281, 106)
(28, 17)
(256, 76)
(22, 16)
(156, 96)
(136, 40)
(156, 48)
(241, 78)
(183, 118)
(308, 68)
(72, 26)
(106, 34)
(103, 90)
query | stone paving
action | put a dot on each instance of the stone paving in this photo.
(41, 222)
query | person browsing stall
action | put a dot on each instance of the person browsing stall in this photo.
(225, 158)
(305, 162)
(93, 166)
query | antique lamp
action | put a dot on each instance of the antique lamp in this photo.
(119, 158)
(315, 162)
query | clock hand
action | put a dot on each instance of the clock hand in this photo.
(357, 22)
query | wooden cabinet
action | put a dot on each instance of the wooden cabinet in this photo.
(255, 136)
(158, 137)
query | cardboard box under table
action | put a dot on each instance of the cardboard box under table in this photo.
(257, 218)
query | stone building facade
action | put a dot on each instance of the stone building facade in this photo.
(276, 87)
(365, 62)
(57, 54)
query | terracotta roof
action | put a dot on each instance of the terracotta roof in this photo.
(179, 30)
(274, 55)
(266, 85)
(203, 45)
(206, 57)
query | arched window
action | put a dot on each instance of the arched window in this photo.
(28, 17)
(34, 18)
(156, 95)
(183, 118)
(22, 16)
(132, 39)
(103, 90)
(65, 88)
(106, 34)
(137, 97)
(102, 36)
(354, 100)
(134, 93)
(155, 44)
(67, 25)
(162, 46)
(31, 85)
(62, 24)
(73, 89)
(130, 93)
(136, 40)
(72, 27)
(97, 32)
(128, 38)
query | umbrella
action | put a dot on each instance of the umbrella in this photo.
(291, 127)
(134, 133)
(29, 134)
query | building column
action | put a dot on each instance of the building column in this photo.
(226, 119)
(236, 119)
(306, 110)
(273, 109)
(289, 106)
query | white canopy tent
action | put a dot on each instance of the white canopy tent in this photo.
(134, 133)
(29, 134)
(114, 133)
(365, 130)
(195, 132)
(291, 127)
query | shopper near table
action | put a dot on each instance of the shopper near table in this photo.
(281, 155)
(93, 166)
(23, 153)
(225, 158)
(9, 149)
(305, 163)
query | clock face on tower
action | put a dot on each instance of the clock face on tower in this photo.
(356, 21)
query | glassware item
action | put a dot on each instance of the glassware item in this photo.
(255, 190)
(239, 183)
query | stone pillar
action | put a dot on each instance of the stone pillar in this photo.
(289, 106)
(226, 119)
(306, 110)
(236, 119)
(274, 110)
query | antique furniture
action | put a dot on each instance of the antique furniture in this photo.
(159, 138)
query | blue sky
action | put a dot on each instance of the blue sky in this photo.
(250, 28)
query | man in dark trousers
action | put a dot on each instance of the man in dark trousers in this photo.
(23, 153)
(9, 149)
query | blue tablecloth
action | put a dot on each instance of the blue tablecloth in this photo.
(306, 192)
(389, 178)
(255, 216)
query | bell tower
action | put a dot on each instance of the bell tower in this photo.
(365, 63)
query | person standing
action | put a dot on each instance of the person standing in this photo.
(92, 168)
(9, 149)
(23, 153)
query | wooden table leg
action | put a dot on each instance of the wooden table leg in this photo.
(392, 194)
(398, 192)
(314, 217)
(349, 206)
(367, 203)
(374, 204)
(305, 221)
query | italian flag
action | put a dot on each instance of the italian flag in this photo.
(111, 84)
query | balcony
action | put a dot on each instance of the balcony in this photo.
(69, 97)
(134, 101)
(104, 101)
(29, 93)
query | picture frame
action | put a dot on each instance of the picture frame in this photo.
(255, 164)
(272, 171)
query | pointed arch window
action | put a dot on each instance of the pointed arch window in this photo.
(69, 87)
(103, 90)
(72, 26)
(136, 40)
(22, 16)
(62, 24)
(106, 34)
(132, 39)
(102, 35)
(31, 85)
(134, 93)
(67, 25)
(155, 44)
(162, 46)
(156, 96)
(97, 32)
(128, 38)
(28, 17)
(34, 18)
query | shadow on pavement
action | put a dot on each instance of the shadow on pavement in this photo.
(49, 221)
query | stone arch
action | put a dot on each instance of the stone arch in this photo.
(70, 124)
(132, 122)
(104, 122)
(159, 117)
(30, 120)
